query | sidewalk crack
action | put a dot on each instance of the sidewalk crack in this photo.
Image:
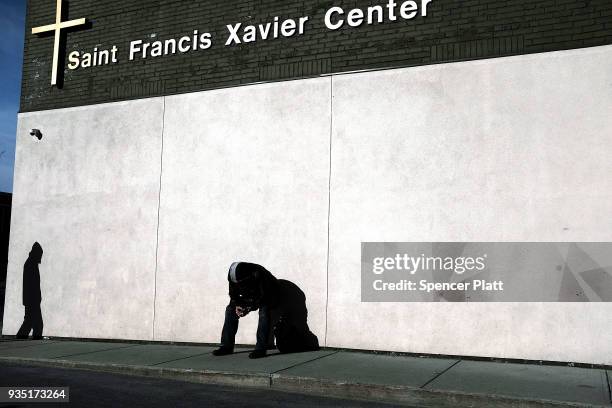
(442, 372)
(182, 358)
(608, 383)
(303, 362)
(97, 351)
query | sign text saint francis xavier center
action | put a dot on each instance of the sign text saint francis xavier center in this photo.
(237, 33)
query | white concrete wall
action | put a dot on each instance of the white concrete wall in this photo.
(88, 193)
(510, 149)
(245, 177)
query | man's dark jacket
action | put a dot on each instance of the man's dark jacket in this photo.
(255, 286)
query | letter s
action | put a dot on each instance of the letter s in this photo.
(205, 41)
(73, 57)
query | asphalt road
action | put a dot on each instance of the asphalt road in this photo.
(97, 389)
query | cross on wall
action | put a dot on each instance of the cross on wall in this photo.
(57, 27)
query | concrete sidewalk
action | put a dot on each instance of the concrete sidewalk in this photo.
(414, 381)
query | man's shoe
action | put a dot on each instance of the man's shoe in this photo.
(257, 354)
(21, 337)
(222, 351)
(37, 337)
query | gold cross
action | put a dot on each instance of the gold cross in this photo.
(57, 27)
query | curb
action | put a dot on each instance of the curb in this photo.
(404, 395)
(198, 376)
(412, 396)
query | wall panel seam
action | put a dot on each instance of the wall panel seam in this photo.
(331, 129)
(161, 169)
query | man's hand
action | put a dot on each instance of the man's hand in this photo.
(241, 311)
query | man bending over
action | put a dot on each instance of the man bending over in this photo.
(251, 287)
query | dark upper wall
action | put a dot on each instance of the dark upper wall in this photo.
(454, 30)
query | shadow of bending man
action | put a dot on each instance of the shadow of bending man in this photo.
(31, 296)
(290, 320)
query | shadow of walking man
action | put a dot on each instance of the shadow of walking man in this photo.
(31, 295)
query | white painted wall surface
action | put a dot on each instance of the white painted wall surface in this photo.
(245, 177)
(509, 149)
(87, 192)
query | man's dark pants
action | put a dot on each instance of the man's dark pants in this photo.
(31, 321)
(230, 327)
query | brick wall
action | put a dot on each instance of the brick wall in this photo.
(453, 30)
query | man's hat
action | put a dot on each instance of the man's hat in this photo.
(238, 274)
